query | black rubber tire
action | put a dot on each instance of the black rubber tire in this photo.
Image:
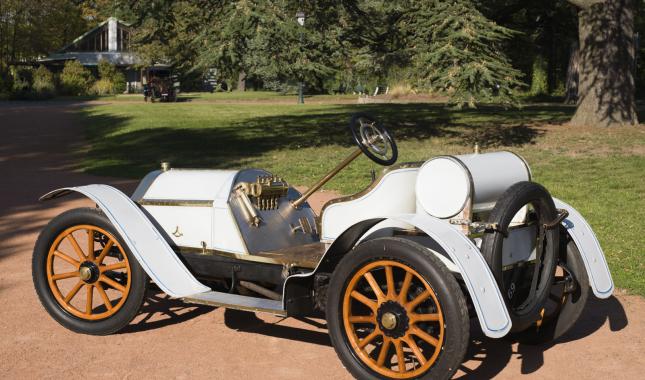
(138, 285)
(442, 281)
(513, 199)
(555, 326)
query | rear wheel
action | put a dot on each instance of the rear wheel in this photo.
(567, 299)
(395, 311)
(85, 276)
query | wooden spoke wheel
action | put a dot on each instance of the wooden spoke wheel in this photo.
(88, 257)
(395, 311)
(85, 276)
(393, 319)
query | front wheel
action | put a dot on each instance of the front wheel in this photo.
(395, 311)
(85, 276)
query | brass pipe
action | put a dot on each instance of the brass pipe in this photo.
(327, 177)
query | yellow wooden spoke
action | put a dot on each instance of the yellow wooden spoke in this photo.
(414, 317)
(374, 285)
(364, 300)
(365, 341)
(403, 294)
(425, 336)
(389, 278)
(74, 290)
(90, 244)
(90, 295)
(416, 301)
(106, 300)
(112, 283)
(104, 252)
(415, 349)
(400, 356)
(382, 355)
(77, 248)
(119, 265)
(362, 319)
(67, 258)
(62, 276)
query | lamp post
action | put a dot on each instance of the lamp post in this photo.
(300, 18)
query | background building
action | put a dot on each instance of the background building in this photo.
(110, 41)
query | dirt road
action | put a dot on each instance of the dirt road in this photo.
(39, 145)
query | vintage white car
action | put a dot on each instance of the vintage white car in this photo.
(398, 269)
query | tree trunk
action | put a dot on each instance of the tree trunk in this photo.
(573, 76)
(606, 54)
(241, 81)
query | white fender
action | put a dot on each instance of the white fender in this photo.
(589, 247)
(148, 246)
(480, 282)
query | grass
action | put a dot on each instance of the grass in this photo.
(218, 97)
(598, 171)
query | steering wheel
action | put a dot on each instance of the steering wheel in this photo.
(373, 139)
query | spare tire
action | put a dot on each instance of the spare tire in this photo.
(524, 285)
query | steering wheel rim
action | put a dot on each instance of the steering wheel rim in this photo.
(367, 132)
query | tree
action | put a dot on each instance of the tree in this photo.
(461, 55)
(30, 28)
(605, 61)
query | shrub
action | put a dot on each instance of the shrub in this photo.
(43, 82)
(6, 80)
(75, 79)
(102, 87)
(539, 77)
(109, 73)
(21, 78)
(400, 89)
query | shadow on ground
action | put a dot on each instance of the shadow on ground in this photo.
(160, 310)
(117, 150)
(494, 354)
(40, 148)
(484, 360)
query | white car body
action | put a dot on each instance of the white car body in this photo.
(197, 209)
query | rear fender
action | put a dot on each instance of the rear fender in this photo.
(585, 239)
(146, 243)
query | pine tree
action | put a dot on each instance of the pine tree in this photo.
(458, 52)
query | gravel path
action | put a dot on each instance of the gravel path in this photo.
(38, 150)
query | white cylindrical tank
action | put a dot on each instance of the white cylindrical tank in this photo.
(446, 184)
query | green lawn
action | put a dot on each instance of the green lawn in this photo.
(599, 171)
(222, 97)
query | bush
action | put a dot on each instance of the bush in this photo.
(539, 77)
(401, 89)
(43, 82)
(102, 87)
(21, 78)
(75, 79)
(109, 73)
(6, 80)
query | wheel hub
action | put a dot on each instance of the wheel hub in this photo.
(393, 319)
(88, 272)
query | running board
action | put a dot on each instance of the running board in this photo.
(238, 302)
